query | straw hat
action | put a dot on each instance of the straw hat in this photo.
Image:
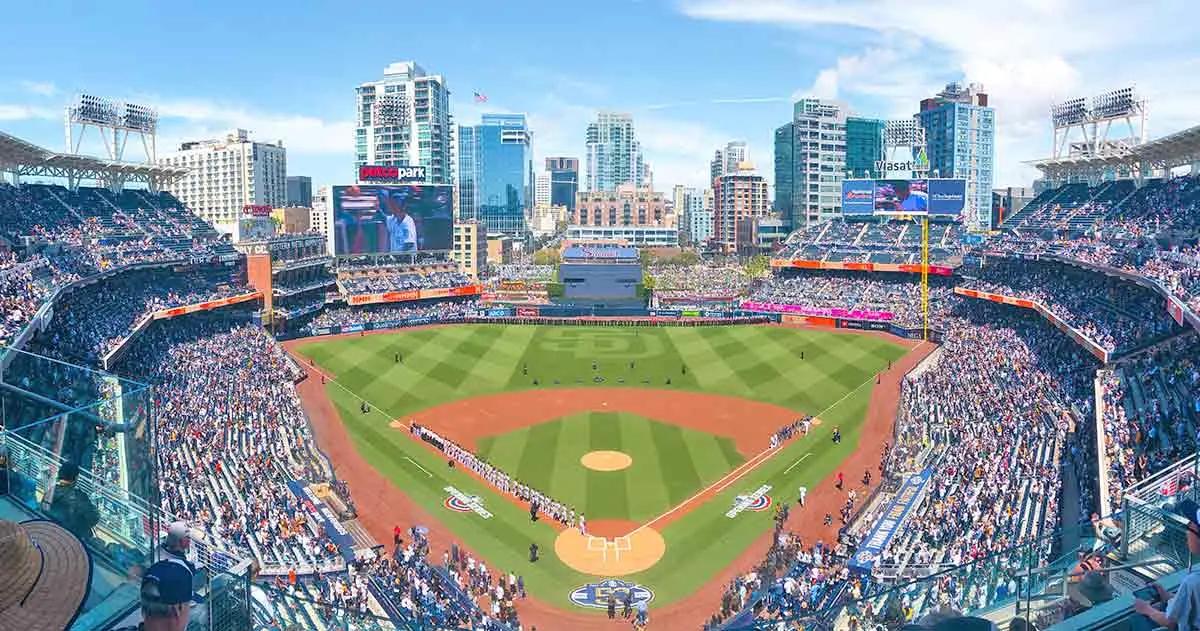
(46, 577)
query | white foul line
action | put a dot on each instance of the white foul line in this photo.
(746, 467)
(785, 471)
(419, 466)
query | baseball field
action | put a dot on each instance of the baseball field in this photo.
(660, 436)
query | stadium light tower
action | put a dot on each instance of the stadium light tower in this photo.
(1082, 126)
(114, 121)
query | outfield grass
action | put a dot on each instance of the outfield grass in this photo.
(670, 463)
(761, 363)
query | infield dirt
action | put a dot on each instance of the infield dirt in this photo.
(381, 505)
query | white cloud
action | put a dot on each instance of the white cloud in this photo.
(1027, 54)
(193, 119)
(10, 112)
(40, 88)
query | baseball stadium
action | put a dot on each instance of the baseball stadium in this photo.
(887, 420)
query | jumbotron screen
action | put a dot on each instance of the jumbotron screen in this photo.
(936, 196)
(381, 219)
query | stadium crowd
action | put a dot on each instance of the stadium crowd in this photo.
(897, 293)
(94, 319)
(700, 283)
(395, 312)
(1151, 413)
(378, 283)
(1114, 313)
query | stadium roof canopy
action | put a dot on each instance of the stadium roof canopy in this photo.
(1175, 150)
(25, 159)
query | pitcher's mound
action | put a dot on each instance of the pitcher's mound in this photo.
(606, 460)
(610, 557)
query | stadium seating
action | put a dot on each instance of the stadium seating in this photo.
(1114, 313)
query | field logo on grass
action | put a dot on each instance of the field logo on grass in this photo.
(757, 501)
(601, 344)
(595, 595)
(460, 502)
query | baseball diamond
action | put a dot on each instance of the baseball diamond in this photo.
(695, 411)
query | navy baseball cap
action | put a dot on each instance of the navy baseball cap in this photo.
(1189, 510)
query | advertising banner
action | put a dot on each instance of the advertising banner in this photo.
(206, 306)
(859, 314)
(527, 312)
(373, 219)
(320, 511)
(689, 313)
(1175, 308)
(858, 197)
(947, 197)
(936, 270)
(890, 521)
(666, 313)
(499, 313)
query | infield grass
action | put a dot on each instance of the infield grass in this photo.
(834, 380)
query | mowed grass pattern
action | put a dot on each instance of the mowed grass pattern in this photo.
(670, 463)
(753, 362)
(809, 371)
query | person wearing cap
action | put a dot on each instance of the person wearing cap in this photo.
(71, 507)
(167, 585)
(45, 575)
(402, 230)
(1183, 609)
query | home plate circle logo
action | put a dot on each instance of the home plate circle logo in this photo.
(760, 504)
(457, 505)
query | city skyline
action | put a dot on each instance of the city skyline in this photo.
(681, 97)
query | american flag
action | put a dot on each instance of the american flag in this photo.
(480, 97)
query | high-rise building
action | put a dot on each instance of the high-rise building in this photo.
(227, 174)
(738, 196)
(810, 162)
(404, 120)
(541, 189)
(564, 181)
(864, 145)
(960, 136)
(697, 221)
(299, 191)
(727, 159)
(494, 166)
(614, 156)
(629, 205)
(785, 147)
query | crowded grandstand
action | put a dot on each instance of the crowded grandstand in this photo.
(1067, 374)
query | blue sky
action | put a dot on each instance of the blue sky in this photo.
(694, 73)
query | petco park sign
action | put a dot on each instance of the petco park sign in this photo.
(391, 174)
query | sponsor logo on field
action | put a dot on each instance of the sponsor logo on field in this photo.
(757, 501)
(595, 595)
(460, 502)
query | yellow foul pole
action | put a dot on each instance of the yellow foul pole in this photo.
(925, 276)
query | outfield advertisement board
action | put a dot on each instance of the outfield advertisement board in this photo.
(858, 197)
(206, 306)
(380, 219)
(908, 268)
(414, 294)
(833, 312)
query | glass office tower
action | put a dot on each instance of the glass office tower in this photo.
(494, 169)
